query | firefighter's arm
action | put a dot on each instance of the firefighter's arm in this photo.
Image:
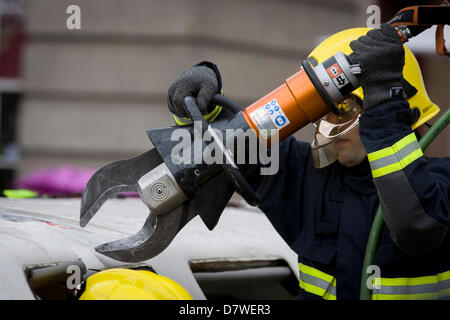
(414, 201)
(414, 197)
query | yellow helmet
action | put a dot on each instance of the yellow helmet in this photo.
(126, 284)
(411, 71)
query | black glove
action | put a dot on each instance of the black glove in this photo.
(201, 81)
(381, 56)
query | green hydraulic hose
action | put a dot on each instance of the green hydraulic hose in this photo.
(374, 236)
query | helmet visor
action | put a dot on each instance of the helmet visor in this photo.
(332, 125)
(331, 128)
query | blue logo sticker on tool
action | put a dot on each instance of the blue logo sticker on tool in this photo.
(280, 121)
(276, 114)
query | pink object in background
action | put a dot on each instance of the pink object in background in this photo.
(65, 180)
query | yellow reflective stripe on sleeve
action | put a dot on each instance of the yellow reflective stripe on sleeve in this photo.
(311, 288)
(317, 282)
(392, 149)
(443, 276)
(396, 157)
(444, 293)
(417, 288)
(213, 114)
(331, 295)
(415, 281)
(426, 296)
(315, 272)
(182, 121)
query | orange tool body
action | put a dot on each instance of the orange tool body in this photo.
(305, 97)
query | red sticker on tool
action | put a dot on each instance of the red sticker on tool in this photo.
(334, 71)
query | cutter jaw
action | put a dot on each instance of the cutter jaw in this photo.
(114, 178)
(170, 209)
(87, 213)
(155, 236)
(150, 177)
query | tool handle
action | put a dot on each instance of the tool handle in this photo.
(413, 20)
(241, 185)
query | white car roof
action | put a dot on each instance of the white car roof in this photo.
(45, 231)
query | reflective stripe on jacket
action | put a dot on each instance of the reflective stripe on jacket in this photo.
(415, 288)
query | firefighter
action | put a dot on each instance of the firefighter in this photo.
(326, 194)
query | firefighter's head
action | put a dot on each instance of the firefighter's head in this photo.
(337, 136)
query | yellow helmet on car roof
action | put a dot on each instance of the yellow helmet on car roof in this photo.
(411, 71)
(126, 284)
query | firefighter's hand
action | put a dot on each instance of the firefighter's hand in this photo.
(199, 82)
(381, 56)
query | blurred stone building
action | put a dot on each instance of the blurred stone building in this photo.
(88, 95)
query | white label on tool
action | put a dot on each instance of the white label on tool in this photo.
(269, 118)
(262, 121)
(276, 114)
